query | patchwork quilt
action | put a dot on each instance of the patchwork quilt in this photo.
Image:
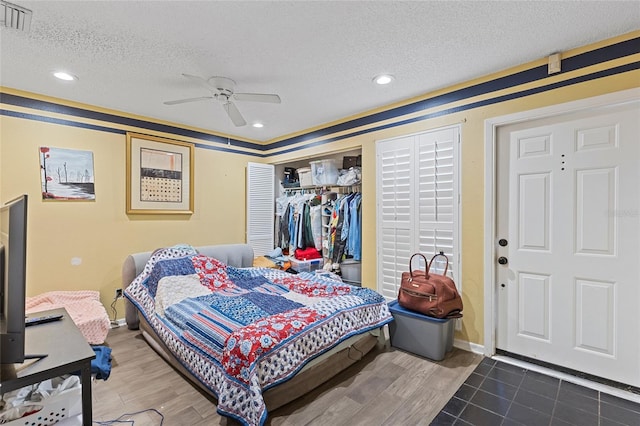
(240, 331)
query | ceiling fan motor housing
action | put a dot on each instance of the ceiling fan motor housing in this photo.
(224, 86)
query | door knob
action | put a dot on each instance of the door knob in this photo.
(503, 260)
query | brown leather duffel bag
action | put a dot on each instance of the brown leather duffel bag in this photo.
(430, 294)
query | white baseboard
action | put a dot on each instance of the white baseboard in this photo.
(468, 346)
(118, 323)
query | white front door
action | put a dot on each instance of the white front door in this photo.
(568, 215)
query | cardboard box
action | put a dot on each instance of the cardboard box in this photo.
(419, 334)
(304, 176)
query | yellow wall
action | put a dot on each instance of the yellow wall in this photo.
(99, 232)
(102, 234)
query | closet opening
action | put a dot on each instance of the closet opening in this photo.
(318, 214)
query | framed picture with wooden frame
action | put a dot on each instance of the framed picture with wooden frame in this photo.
(159, 175)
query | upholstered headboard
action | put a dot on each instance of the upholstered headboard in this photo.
(238, 255)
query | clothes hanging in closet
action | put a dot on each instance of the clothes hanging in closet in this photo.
(299, 224)
(345, 228)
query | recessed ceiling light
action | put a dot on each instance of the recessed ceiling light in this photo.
(64, 76)
(383, 79)
(258, 125)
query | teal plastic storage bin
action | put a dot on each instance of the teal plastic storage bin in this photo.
(419, 334)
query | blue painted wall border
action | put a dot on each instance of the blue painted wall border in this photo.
(478, 104)
(229, 149)
(604, 54)
(71, 123)
(60, 121)
(593, 57)
(37, 104)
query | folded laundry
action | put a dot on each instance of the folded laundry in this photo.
(307, 253)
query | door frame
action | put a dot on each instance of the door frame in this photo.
(490, 139)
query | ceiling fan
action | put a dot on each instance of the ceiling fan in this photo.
(222, 90)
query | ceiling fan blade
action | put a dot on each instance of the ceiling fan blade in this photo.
(182, 101)
(234, 114)
(201, 81)
(257, 97)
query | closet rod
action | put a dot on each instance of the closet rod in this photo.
(325, 188)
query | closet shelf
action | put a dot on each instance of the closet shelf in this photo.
(328, 188)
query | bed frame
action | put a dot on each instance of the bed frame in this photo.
(311, 376)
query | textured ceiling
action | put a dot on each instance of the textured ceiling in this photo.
(318, 56)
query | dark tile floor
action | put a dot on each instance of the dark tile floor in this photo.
(502, 394)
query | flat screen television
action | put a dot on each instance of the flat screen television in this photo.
(13, 270)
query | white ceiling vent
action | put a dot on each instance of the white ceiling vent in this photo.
(14, 16)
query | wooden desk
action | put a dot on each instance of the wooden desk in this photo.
(67, 352)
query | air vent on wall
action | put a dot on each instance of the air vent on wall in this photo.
(14, 16)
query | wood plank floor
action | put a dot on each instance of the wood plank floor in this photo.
(390, 387)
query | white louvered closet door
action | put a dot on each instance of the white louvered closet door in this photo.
(417, 193)
(396, 203)
(260, 207)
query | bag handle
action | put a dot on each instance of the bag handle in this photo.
(426, 273)
(428, 264)
(446, 268)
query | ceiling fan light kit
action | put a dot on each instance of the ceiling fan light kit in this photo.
(223, 90)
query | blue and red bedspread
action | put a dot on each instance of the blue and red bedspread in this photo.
(241, 331)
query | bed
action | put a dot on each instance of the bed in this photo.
(253, 338)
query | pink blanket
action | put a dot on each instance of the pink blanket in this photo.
(84, 308)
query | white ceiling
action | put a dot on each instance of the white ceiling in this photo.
(319, 56)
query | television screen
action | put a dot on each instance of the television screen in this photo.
(13, 265)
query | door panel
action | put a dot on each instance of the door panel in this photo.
(595, 232)
(533, 306)
(533, 223)
(595, 333)
(568, 203)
